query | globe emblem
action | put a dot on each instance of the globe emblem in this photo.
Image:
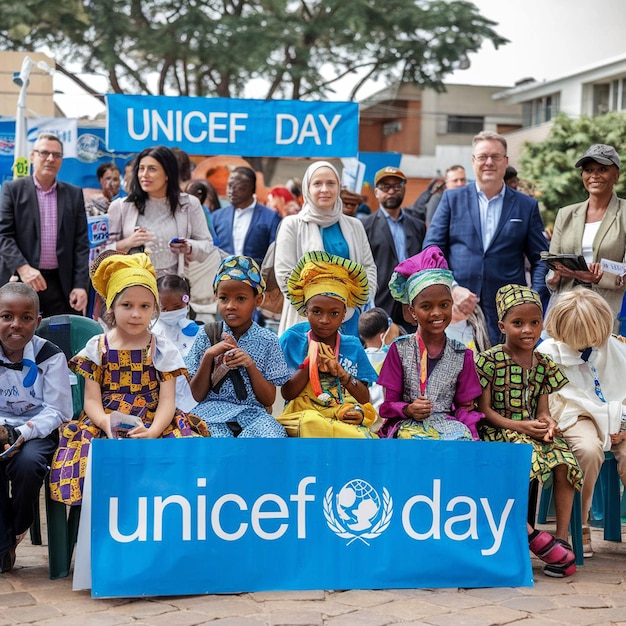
(358, 505)
(87, 148)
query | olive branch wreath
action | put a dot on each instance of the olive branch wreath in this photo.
(342, 532)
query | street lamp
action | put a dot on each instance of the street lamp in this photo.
(20, 161)
(21, 79)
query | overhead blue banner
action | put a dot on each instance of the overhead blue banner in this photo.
(194, 516)
(230, 126)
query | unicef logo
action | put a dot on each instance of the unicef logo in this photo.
(358, 512)
(87, 148)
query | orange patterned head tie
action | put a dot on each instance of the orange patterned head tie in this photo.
(320, 273)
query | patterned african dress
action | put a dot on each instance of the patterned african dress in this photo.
(225, 405)
(452, 382)
(129, 380)
(318, 416)
(514, 395)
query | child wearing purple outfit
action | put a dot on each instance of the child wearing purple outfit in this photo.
(430, 380)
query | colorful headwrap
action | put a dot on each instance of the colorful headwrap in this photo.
(320, 273)
(111, 273)
(413, 275)
(513, 295)
(243, 269)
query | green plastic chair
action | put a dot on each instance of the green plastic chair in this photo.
(70, 333)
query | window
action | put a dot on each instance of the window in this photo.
(601, 102)
(541, 110)
(465, 124)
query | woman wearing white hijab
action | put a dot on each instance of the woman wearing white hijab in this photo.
(320, 225)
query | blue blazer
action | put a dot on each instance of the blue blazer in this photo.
(456, 230)
(260, 235)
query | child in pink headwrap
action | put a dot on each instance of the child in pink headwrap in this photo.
(430, 380)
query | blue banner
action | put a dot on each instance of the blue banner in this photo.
(79, 171)
(193, 516)
(230, 126)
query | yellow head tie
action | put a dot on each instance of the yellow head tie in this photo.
(112, 274)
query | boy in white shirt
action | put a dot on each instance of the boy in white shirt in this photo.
(35, 399)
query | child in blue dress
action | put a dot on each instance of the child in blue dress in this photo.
(328, 393)
(236, 371)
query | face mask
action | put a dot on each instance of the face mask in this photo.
(173, 318)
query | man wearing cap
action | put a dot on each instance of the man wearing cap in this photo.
(350, 201)
(486, 229)
(394, 235)
(595, 229)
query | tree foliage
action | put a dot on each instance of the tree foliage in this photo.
(216, 47)
(549, 165)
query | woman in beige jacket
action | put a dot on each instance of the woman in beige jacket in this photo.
(595, 229)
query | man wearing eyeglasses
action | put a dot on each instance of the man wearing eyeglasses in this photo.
(394, 235)
(43, 233)
(485, 230)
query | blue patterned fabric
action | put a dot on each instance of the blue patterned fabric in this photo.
(218, 408)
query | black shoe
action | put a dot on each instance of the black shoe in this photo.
(8, 560)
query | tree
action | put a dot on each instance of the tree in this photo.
(216, 47)
(549, 165)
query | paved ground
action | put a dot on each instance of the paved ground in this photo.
(596, 594)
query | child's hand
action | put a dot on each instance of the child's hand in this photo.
(105, 425)
(351, 414)
(552, 427)
(326, 361)
(419, 409)
(141, 432)
(329, 365)
(533, 428)
(227, 343)
(237, 357)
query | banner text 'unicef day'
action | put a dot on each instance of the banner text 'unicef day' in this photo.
(281, 128)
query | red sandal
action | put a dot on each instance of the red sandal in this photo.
(550, 549)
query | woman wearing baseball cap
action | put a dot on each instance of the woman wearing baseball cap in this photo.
(595, 229)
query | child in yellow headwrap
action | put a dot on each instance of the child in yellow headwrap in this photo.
(128, 370)
(328, 393)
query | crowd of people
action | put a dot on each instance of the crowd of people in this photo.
(392, 325)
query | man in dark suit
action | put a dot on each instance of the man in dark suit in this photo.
(43, 233)
(246, 227)
(394, 235)
(486, 229)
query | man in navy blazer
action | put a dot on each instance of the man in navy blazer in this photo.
(43, 233)
(485, 230)
(246, 227)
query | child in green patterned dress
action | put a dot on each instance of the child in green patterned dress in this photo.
(516, 381)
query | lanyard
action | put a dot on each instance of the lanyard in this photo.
(584, 355)
(423, 364)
